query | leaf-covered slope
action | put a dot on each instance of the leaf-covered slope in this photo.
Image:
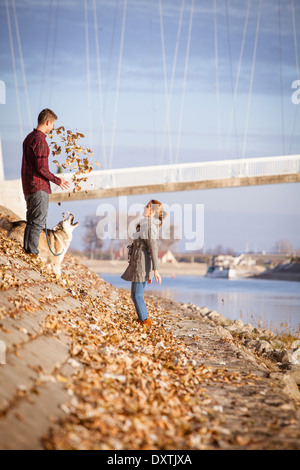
(81, 373)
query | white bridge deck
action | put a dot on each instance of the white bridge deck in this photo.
(183, 177)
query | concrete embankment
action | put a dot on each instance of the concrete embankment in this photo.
(81, 373)
(289, 271)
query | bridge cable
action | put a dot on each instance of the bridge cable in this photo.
(14, 69)
(173, 74)
(45, 54)
(165, 80)
(184, 79)
(118, 82)
(53, 51)
(22, 64)
(238, 76)
(109, 70)
(99, 82)
(281, 79)
(251, 79)
(297, 72)
(231, 77)
(217, 77)
(111, 51)
(87, 50)
(152, 80)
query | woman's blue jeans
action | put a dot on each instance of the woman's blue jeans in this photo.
(137, 295)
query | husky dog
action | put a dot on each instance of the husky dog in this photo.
(59, 239)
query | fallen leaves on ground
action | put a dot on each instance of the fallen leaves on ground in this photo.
(135, 387)
(131, 387)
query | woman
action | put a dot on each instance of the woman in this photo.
(143, 253)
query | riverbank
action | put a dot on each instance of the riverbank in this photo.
(289, 271)
(81, 373)
(165, 269)
(283, 272)
(252, 300)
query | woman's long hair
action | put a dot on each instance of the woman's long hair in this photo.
(158, 210)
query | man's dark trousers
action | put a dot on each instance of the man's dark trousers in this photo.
(36, 217)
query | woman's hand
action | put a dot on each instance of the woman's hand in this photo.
(157, 276)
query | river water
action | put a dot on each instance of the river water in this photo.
(261, 302)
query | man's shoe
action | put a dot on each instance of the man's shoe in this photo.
(146, 322)
(32, 255)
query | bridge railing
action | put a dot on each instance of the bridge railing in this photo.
(189, 172)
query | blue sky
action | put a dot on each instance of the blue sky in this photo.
(139, 85)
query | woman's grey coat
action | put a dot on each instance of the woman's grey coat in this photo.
(144, 254)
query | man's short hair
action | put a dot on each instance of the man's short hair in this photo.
(45, 115)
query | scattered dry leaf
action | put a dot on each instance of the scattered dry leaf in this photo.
(77, 157)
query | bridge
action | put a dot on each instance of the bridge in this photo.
(184, 177)
(166, 178)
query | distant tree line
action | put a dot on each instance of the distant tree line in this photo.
(96, 247)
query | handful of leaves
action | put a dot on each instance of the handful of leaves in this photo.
(77, 157)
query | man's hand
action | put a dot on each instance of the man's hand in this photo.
(64, 184)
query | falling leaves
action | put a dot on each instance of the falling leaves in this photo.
(77, 157)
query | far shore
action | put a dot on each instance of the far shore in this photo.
(193, 269)
(165, 269)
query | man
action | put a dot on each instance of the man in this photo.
(36, 179)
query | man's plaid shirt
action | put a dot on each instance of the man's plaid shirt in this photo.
(35, 168)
